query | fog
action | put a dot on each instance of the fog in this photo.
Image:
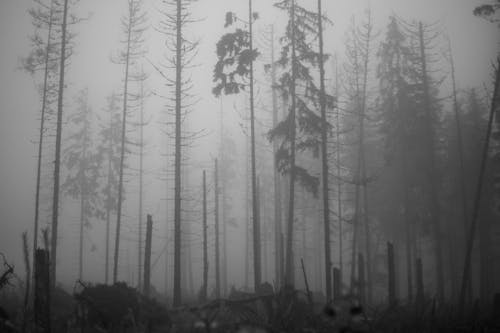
(370, 168)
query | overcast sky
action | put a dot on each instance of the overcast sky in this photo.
(474, 41)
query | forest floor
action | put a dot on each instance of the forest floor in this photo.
(120, 308)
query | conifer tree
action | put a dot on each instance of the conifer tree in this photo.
(82, 169)
(296, 85)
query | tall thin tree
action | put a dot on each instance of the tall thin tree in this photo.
(57, 159)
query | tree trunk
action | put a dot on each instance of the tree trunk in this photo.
(42, 307)
(217, 245)
(177, 200)
(276, 175)
(392, 273)
(247, 220)
(256, 222)
(82, 223)
(223, 197)
(463, 186)
(434, 197)
(122, 154)
(141, 184)
(40, 138)
(477, 199)
(108, 200)
(339, 181)
(205, 248)
(289, 242)
(27, 281)
(324, 158)
(147, 256)
(57, 163)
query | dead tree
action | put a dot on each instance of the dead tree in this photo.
(324, 158)
(133, 28)
(205, 248)
(216, 216)
(147, 256)
(477, 199)
(57, 159)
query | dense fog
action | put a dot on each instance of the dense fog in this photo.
(193, 151)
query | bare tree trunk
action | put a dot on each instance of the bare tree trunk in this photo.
(477, 198)
(289, 242)
(256, 222)
(28, 281)
(205, 249)
(355, 225)
(147, 254)
(463, 186)
(223, 195)
(432, 169)
(42, 306)
(363, 158)
(141, 185)
(324, 157)
(82, 223)
(247, 221)
(392, 273)
(57, 164)
(122, 153)
(276, 176)
(40, 139)
(217, 245)
(178, 146)
(108, 200)
(339, 181)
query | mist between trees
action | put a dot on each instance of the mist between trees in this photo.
(242, 154)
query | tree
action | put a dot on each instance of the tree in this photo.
(57, 159)
(82, 165)
(479, 186)
(41, 57)
(109, 155)
(133, 28)
(296, 60)
(489, 11)
(398, 115)
(324, 157)
(236, 54)
(176, 17)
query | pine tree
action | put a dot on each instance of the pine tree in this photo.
(234, 68)
(82, 169)
(296, 63)
(109, 155)
(398, 115)
(175, 19)
(42, 57)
